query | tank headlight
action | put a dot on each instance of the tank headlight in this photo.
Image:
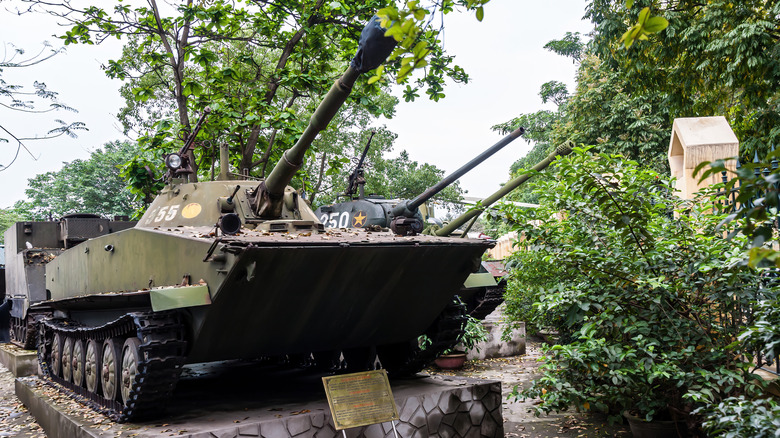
(173, 161)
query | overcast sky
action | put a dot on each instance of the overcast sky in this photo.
(503, 55)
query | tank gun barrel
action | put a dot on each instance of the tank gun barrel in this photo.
(191, 137)
(432, 191)
(404, 214)
(373, 49)
(563, 149)
(356, 178)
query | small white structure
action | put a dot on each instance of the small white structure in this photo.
(504, 246)
(697, 139)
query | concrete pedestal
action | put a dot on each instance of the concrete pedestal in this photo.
(20, 362)
(239, 399)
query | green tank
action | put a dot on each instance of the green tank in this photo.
(233, 269)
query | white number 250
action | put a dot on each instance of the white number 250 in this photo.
(335, 220)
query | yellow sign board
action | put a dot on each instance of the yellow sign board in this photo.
(360, 399)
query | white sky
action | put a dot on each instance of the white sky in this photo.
(503, 56)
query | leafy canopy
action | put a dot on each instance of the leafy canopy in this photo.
(17, 98)
(92, 186)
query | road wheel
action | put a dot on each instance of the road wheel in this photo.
(78, 362)
(67, 359)
(92, 365)
(131, 358)
(56, 355)
(110, 360)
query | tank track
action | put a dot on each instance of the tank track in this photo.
(444, 334)
(493, 298)
(22, 334)
(162, 352)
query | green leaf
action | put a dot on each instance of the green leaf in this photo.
(643, 16)
(480, 13)
(656, 24)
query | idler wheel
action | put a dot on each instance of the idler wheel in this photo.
(67, 356)
(56, 354)
(77, 362)
(131, 358)
(110, 360)
(92, 365)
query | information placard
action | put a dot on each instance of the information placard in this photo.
(360, 399)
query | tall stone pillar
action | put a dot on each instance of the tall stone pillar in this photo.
(697, 139)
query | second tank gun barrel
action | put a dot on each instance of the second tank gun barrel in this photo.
(405, 214)
(563, 149)
(441, 185)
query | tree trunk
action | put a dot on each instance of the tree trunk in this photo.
(273, 86)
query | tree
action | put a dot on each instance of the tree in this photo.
(714, 58)
(404, 178)
(8, 217)
(17, 98)
(652, 295)
(93, 186)
(258, 67)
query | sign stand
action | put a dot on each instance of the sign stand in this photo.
(360, 399)
(395, 432)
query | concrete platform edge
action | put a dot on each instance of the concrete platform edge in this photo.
(54, 422)
(20, 363)
(470, 408)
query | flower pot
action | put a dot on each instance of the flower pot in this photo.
(452, 361)
(656, 428)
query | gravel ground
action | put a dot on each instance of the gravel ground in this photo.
(519, 421)
(15, 420)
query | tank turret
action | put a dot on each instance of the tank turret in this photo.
(402, 216)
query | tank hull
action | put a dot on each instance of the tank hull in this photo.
(268, 294)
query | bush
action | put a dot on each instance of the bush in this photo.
(738, 417)
(652, 292)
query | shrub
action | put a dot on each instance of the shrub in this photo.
(738, 417)
(653, 293)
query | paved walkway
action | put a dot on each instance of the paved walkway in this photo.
(518, 420)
